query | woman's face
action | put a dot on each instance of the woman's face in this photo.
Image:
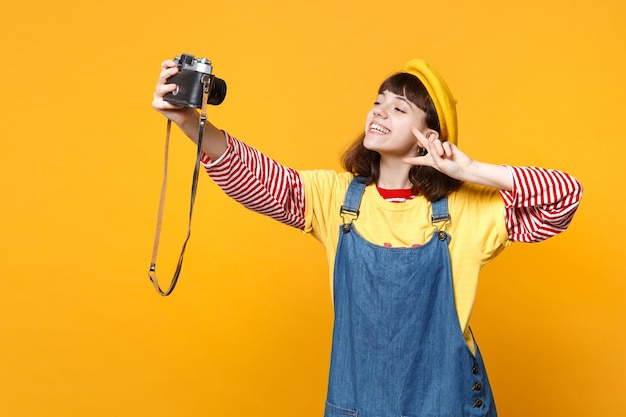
(388, 126)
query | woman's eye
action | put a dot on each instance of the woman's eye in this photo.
(398, 109)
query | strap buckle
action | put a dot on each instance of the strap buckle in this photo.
(350, 213)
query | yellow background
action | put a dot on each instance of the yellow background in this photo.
(247, 332)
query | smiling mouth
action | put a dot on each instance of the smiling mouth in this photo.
(376, 128)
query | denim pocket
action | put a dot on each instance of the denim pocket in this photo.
(334, 411)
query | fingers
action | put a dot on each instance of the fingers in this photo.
(416, 160)
(421, 139)
(439, 148)
(163, 89)
(424, 143)
(168, 69)
(159, 93)
(438, 151)
(168, 63)
(442, 149)
(166, 73)
(448, 149)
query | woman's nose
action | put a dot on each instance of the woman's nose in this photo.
(379, 112)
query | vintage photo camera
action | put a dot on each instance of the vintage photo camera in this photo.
(190, 79)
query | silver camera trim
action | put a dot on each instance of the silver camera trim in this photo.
(202, 65)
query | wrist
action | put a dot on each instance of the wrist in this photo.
(491, 175)
(186, 118)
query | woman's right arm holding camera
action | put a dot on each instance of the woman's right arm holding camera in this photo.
(186, 118)
(241, 171)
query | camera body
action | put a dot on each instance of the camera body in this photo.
(189, 80)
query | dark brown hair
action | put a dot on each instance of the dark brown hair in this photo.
(361, 161)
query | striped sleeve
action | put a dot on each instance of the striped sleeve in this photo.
(258, 182)
(541, 204)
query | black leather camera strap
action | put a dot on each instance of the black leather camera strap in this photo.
(206, 88)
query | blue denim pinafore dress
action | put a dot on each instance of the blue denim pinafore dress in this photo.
(398, 348)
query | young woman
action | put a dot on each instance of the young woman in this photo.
(406, 228)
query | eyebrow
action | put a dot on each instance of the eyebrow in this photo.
(404, 99)
(401, 98)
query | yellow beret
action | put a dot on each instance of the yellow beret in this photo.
(445, 103)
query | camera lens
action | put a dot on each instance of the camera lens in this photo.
(218, 92)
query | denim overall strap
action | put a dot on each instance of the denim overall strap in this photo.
(398, 348)
(350, 209)
(440, 210)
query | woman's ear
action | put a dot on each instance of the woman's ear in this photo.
(431, 134)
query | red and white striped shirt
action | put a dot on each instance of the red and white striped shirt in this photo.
(541, 204)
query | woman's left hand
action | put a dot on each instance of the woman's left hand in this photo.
(447, 158)
(443, 156)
